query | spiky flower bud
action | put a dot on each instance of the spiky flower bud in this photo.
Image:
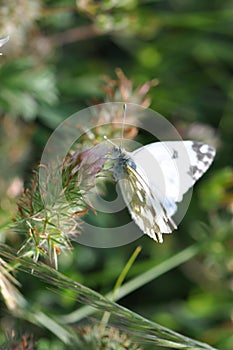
(49, 229)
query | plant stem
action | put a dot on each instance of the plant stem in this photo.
(119, 282)
(138, 281)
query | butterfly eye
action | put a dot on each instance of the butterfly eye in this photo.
(116, 150)
(131, 163)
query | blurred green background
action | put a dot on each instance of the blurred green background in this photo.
(52, 67)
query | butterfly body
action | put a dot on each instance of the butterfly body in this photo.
(155, 177)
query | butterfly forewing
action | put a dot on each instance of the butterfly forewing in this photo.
(174, 166)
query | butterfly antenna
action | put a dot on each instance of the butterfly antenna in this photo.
(123, 124)
(112, 143)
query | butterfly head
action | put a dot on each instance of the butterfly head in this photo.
(122, 161)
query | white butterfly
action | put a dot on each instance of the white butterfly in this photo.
(154, 177)
(3, 42)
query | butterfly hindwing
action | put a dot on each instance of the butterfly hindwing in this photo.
(146, 210)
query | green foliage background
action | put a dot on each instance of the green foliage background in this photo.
(52, 67)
